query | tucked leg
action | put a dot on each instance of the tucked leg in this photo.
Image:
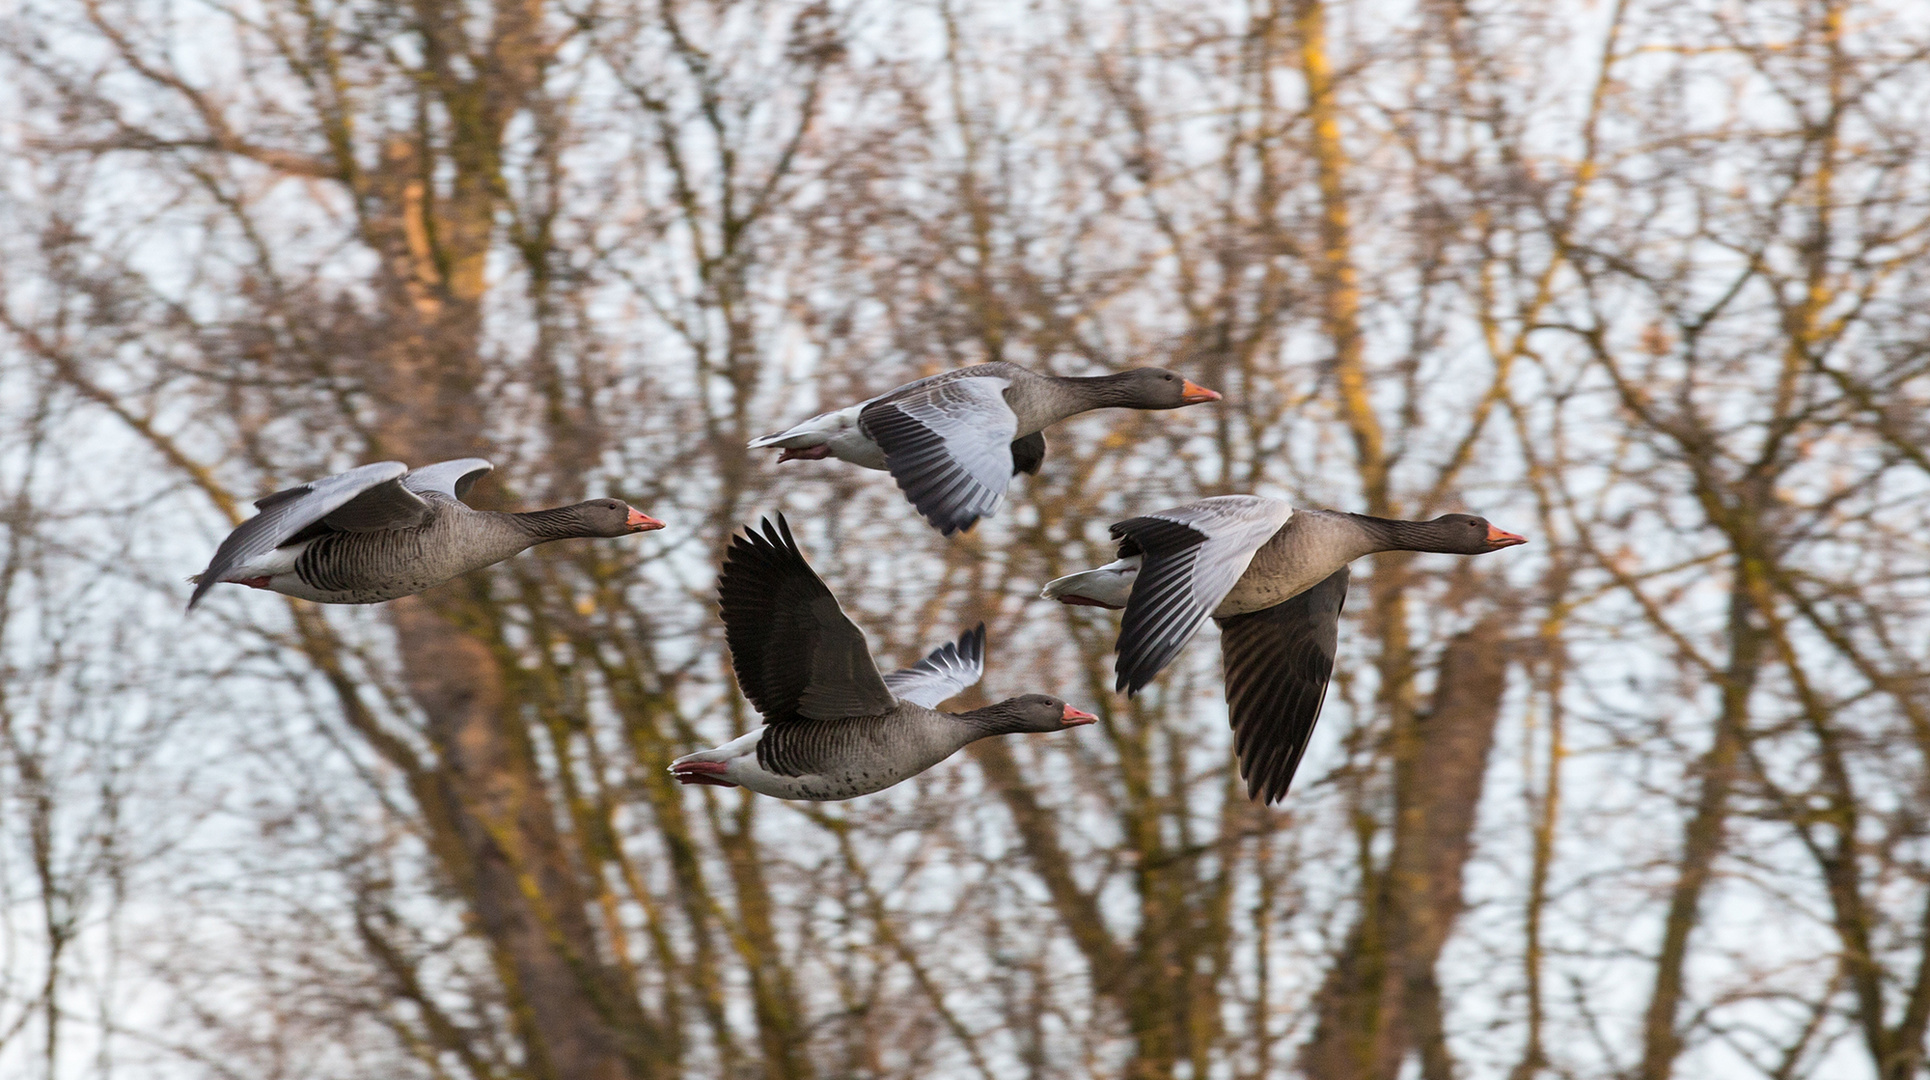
(702, 772)
(699, 778)
(1080, 601)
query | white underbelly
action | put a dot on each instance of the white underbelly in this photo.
(853, 445)
(837, 432)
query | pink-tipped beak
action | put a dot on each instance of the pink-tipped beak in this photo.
(1498, 539)
(1193, 393)
(642, 522)
(1074, 717)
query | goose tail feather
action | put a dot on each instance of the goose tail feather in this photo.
(1108, 586)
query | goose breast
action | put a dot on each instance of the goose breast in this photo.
(1303, 553)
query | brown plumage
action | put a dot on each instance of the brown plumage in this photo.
(953, 441)
(834, 727)
(1274, 579)
(382, 531)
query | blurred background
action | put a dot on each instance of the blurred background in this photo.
(1642, 280)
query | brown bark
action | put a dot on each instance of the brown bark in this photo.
(513, 868)
(1339, 277)
(1164, 981)
(1382, 1000)
(498, 836)
(1399, 218)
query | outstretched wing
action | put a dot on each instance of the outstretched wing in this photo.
(948, 443)
(451, 478)
(949, 669)
(1191, 557)
(795, 651)
(1278, 661)
(289, 512)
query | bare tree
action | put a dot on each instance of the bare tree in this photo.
(1634, 280)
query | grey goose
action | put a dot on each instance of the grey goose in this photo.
(834, 728)
(954, 440)
(383, 530)
(1274, 578)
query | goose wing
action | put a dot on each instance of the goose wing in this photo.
(796, 653)
(362, 497)
(948, 443)
(451, 478)
(1191, 557)
(949, 669)
(1278, 661)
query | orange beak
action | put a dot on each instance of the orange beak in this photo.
(1074, 718)
(1193, 393)
(642, 522)
(1498, 539)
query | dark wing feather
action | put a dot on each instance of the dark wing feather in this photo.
(287, 514)
(1190, 558)
(1028, 454)
(948, 444)
(1278, 661)
(795, 652)
(1162, 613)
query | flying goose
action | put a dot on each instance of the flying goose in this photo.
(833, 727)
(381, 531)
(954, 440)
(1274, 578)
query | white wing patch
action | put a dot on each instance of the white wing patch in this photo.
(1192, 557)
(451, 478)
(1235, 526)
(949, 446)
(949, 669)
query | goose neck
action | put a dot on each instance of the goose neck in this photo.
(1389, 534)
(542, 526)
(999, 719)
(1098, 391)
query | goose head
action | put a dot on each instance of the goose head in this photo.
(1157, 388)
(610, 517)
(1035, 712)
(1466, 534)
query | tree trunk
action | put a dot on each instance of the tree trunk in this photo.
(1381, 999)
